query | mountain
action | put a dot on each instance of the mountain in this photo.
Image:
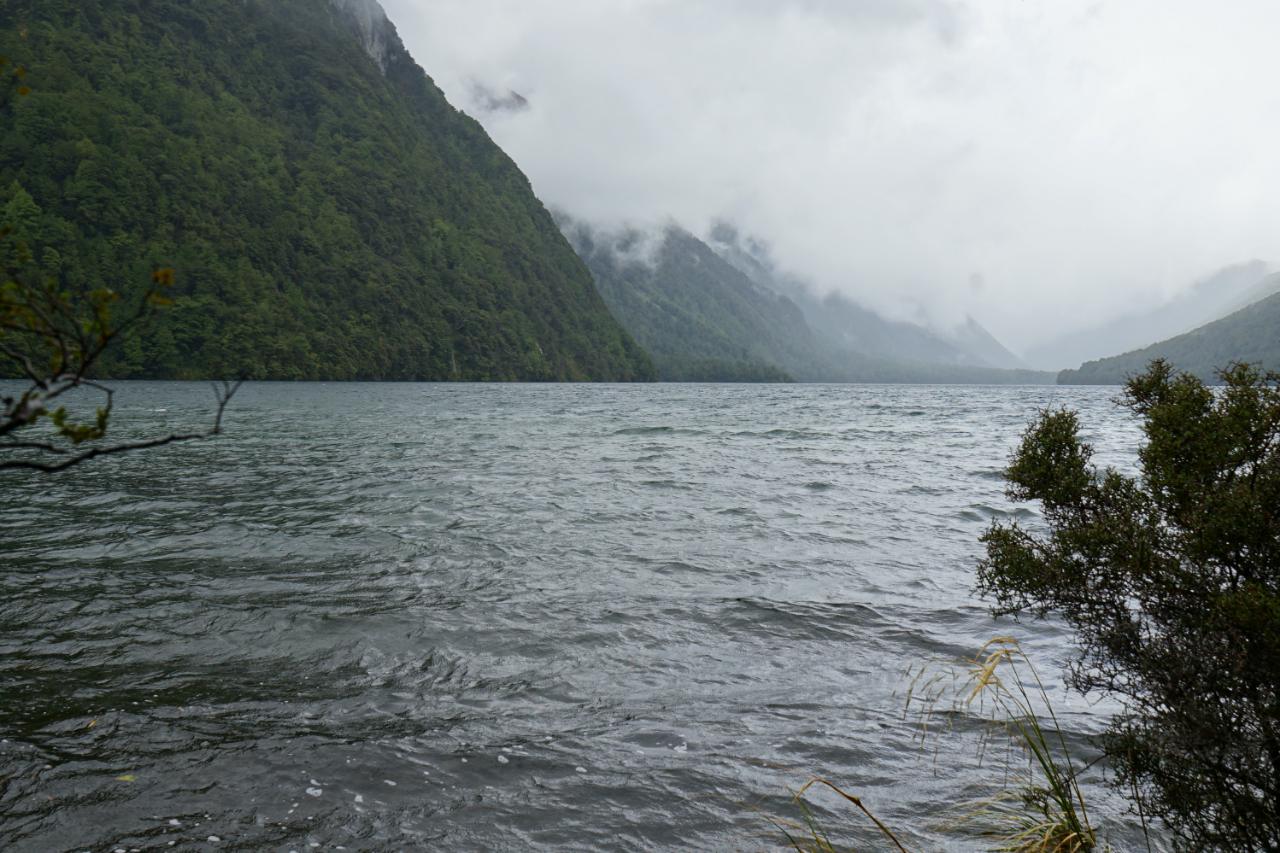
(328, 213)
(1251, 334)
(717, 310)
(1213, 297)
(698, 317)
(1258, 292)
(979, 344)
(847, 326)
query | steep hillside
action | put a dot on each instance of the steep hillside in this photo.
(329, 214)
(698, 317)
(1251, 334)
(1209, 299)
(707, 311)
(845, 326)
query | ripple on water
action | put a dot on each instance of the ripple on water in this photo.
(568, 617)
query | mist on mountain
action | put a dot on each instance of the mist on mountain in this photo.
(1208, 299)
(720, 309)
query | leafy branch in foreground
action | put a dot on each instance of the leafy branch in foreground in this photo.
(53, 336)
(1171, 582)
(64, 457)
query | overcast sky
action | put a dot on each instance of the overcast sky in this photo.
(1040, 164)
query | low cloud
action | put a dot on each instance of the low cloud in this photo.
(1041, 165)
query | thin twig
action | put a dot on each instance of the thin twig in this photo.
(223, 396)
(884, 830)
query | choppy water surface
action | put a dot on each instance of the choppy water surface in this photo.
(507, 617)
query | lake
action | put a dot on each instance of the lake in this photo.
(506, 617)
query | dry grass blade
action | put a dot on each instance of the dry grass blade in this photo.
(857, 801)
(1046, 812)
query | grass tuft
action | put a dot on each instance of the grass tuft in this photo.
(1041, 808)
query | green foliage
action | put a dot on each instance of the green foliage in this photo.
(328, 219)
(1250, 335)
(1171, 581)
(53, 335)
(49, 335)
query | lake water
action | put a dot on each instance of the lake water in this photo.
(506, 617)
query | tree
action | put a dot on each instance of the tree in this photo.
(52, 334)
(1171, 581)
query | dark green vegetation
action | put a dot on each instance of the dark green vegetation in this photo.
(1251, 335)
(718, 312)
(52, 336)
(329, 215)
(1171, 581)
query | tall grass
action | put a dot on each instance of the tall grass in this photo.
(1039, 807)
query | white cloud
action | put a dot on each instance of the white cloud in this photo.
(1076, 157)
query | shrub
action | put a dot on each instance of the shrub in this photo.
(1171, 581)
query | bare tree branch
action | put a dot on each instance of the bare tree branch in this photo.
(68, 331)
(222, 393)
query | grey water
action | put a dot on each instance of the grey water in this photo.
(510, 617)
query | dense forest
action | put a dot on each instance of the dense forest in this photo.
(1248, 335)
(328, 213)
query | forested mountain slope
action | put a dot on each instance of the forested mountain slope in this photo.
(708, 311)
(1251, 334)
(329, 214)
(700, 319)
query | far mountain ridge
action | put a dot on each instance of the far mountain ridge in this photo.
(1260, 291)
(1251, 334)
(1210, 298)
(850, 326)
(719, 310)
(973, 337)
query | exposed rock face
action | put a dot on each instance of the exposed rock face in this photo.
(377, 35)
